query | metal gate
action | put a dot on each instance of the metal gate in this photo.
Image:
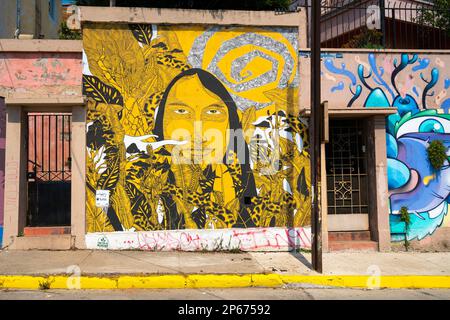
(347, 177)
(49, 169)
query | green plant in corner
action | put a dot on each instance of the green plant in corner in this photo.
(404, 216)
(302, 250)
(367, 39)
(437, 154)
(235, 250)
(436, 16)
(65, 33)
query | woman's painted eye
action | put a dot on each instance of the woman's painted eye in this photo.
(213, 111)
(181, 111)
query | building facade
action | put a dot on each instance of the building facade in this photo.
(30, 19)
(188, 130)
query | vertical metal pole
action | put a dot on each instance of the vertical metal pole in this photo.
(41, 142)
(316, 126)
(56, 145)
(63, 147)
(49, 148)
(35, 144)
(70, 145)
(18, 14)
(308, 23)
(112, 3)
(383, 22)
(394, 30)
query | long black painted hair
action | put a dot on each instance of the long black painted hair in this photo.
(211, 83)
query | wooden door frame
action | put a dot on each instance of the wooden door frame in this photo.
(377, 166)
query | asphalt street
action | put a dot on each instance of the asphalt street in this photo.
(229, 294)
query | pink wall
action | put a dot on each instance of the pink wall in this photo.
(49, 145)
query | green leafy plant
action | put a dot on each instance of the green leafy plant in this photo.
(66, 34)
(367, 38)
(302, 250)
(436, 16)
(437, 154)
(404, 216)
(44, 285)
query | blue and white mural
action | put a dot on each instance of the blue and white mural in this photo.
(417, 86)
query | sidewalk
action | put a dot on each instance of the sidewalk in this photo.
(143, 269)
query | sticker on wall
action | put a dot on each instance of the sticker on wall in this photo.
(102, 242)
(102, 198)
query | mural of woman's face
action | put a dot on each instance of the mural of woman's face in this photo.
(198, 116)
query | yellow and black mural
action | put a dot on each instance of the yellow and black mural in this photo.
(194, 127)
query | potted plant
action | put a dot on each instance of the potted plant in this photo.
(437, 154)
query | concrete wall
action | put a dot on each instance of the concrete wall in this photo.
(343, 88)
(415, 85)
(35, 18)
(185, 81)
(8, 21)
(39, 68)
(50, 19)
(40, 76)
(176, 67)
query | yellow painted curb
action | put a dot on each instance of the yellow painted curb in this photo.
(267, 280)
(152, 282)
(360, 281)
(220, 281)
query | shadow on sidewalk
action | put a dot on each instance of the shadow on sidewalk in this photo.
(302, 258)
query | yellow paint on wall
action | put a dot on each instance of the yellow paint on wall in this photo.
(428, 179)
(186, 35)
(159, 94)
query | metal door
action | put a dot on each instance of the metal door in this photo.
(49, 169)
(347, 176)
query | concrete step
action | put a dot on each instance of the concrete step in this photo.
(352, 246)
(45, 231)
(349, 236)
(52, 242)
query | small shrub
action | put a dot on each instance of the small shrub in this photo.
(44, 285)
(235, 250)
(404, 216)
(437, 154)
(367, 38)
(67, 34)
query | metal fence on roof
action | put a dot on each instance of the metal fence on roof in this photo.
(391, 24)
